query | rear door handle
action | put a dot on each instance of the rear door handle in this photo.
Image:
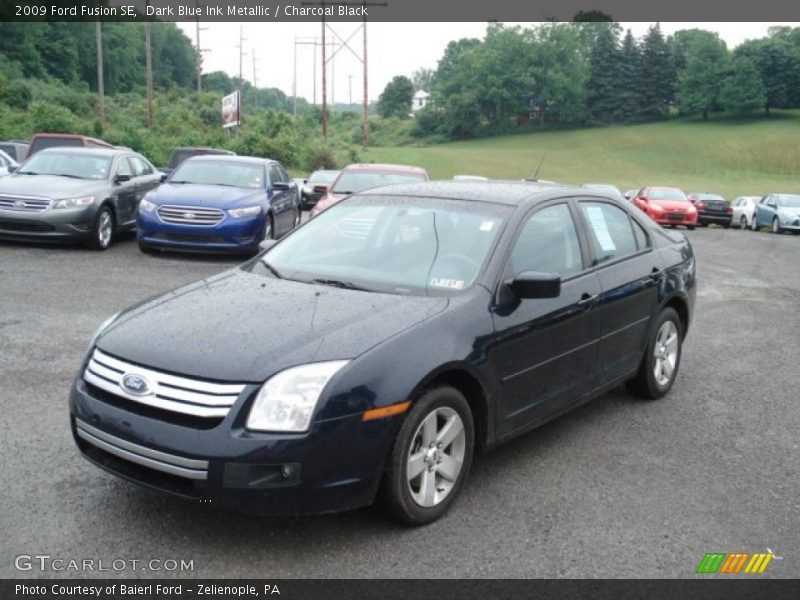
(656, 274)
(588, 300)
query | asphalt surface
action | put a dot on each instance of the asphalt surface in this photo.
(618, 488)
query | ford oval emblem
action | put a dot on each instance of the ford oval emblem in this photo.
(19, 204)
(135, 384)
(189, 215)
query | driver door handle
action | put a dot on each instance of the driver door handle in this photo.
(588, 300)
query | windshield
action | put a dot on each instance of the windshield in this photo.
(219, 172)
(352, 182)
(409, 246)
(659, 194)
(67, 164)
(322, 176)
(788, 201)
(708, 197)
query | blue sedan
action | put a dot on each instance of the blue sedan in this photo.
(219, 204)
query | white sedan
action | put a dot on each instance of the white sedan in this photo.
(743, 209)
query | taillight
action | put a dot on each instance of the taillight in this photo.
(730, 210)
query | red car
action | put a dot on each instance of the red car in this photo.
(359, 177)
(667, 206)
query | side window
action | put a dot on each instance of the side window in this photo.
(123, 167)
(548, 243)
(3, 162)
(284, 175)
(610, 231)
(140, 166)
(274, 174)
(642, 240)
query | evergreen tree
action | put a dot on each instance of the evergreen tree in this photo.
(778, 63)
(603, 85)
(629, 91)
(657, 76)
(396, 98)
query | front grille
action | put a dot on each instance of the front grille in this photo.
(190, 215)
(180, 466)
(24, 203)
(193, 397)
(31, 226)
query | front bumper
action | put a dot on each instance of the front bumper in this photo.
(335, 466)
(669, 218)
(230, 234)
(49, 225)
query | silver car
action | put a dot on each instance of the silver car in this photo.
(744, 208)
(7, 164)
(75, 194)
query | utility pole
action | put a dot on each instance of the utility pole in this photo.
(366, 89)
(197, 31)
(100, 84)
(242, 40)
(324, 81)
(294, 80)
(255, 80)
(148, 59)
(349, 89)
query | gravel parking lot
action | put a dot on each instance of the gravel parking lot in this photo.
(619, 488)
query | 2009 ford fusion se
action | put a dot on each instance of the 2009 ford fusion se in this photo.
(439, 319)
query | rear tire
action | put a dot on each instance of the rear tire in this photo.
(662, 358)
(102, 229)
(743, 223)
(754, 223)
(435, 445)
(726, 226)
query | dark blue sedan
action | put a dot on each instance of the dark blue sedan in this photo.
(219, 204)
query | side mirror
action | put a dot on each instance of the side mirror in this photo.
(321, 188)
(12, 168)
(266, 244)
(164, 177)
(280, 185)
(535, 284)
(122, 178)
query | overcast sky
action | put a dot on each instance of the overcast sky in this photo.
(394, 49)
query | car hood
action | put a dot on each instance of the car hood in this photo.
(49, 186)
(244, 327)
(217, 196)
(792, 210)
(672, 204)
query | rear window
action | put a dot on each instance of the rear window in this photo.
(352, 182)
(43, 143)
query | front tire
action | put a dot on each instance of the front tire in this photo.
(431, 457)
(692, 227)
(662, 358)
(102, 230)
(776, 226)
(147, 249)
(269, 229)
(754, 223)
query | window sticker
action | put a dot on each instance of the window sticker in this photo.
(450, 284)
(598, 223)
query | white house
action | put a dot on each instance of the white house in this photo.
(420, 100)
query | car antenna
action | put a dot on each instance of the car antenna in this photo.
(541, 162)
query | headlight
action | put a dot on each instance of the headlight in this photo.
(656, 208)
(102, 328)
(248, 211)
(286, 402)
(74, 202)
(786, 215)
(146, 206)
(692, 209)
(308, 190)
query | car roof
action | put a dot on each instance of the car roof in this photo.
(104, 152)
(383, 167)
(510, 193)
(253, 160)
(662, 187)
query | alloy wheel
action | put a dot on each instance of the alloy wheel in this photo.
(436, 456)
(665, 353)
(104, 229)
(743, 222)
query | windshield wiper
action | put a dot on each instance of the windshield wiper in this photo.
(28, 173)
(271, 269)
(69, 175)
(173, 181)
(347, 285)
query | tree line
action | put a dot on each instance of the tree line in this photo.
(591, 73)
